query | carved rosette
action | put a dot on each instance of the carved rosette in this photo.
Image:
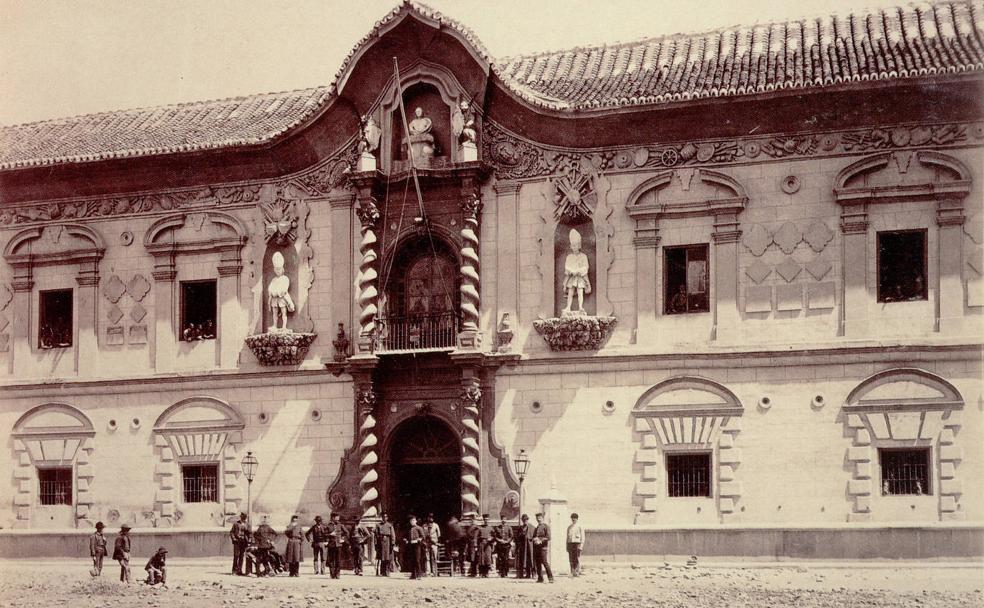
(368, 275)
(368, 456)
(470, 299)
(471, 397)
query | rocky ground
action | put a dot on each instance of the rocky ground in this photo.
(25, 584)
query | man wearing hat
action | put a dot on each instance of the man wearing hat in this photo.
(156, 571)
(337, 537)
(359, 536)
(385, 541)
(484, 542)
(293, 555)
(240, 540)
(121, 553)
(432, 540)
(317, 535)
(415, 549)
(97, 549)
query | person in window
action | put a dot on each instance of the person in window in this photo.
(121, 553)
(679, 301)
(208, 330)
(156, 570)
(917, 288)
(97, 549)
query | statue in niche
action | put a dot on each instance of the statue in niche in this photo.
(464, 128)
(278, 293)
(575, 276)
(420, 140)
(369, 143)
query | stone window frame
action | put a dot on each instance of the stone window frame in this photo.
(869, 424)
(718, 422)
(722, 255)
(29, 444)
(857, 291)
(216, 439)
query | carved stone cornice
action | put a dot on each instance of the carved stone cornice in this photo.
(515, 158)
(507, 187)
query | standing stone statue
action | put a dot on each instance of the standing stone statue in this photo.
(369, 143)
(576, 276)
(464, 128)
(278, 293)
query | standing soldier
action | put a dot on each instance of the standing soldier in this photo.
(265, 536)
(317, 535)
(503, 536)
(336, 540)
(484, 545)
(358, 538)
(97, 549)
(524, 548)
(294, 556)
(240, 540)
(541, 554)
(432, 539)
(121, 553)
(385, 539)
(575, 543)
(415, 549)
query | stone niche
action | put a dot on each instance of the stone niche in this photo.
(562, 246)
(428, 99)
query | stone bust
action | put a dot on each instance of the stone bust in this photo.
(576, 280)
(420, 123)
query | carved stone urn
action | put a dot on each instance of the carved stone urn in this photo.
(575, 332)
(284, 347)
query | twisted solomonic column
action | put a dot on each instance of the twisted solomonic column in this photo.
(368, 276)
(470, 471)
(368, 456)
(470, 298)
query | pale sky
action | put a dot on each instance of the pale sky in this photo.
(63, 58)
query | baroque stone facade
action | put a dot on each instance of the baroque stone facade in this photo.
(745, 357)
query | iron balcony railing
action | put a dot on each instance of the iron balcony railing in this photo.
(418, 332)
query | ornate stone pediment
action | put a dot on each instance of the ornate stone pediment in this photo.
(903, 174)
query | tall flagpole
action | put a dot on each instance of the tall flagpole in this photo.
(406, 129)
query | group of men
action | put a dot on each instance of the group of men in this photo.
(156, 566)
(418, 550)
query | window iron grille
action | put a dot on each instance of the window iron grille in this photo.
(201, 483)
(688, 475)
(905, 472)
(56, 486)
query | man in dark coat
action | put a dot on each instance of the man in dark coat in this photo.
(415, 549)
(385, 541)
(484, 543)
(337, 535)
(264, 535)
(156, 570)
(358, 537)
(456, 543)
(317, 535)
(239, 535)
(503, 536)
(293, 555)
(97, 549)
(471, 547)
(524, 548)
(541, 553)
(121, 553)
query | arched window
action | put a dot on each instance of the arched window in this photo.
(52, 447)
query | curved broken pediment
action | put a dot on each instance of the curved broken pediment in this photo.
(903, 175)
(191, 232)
(684, 192)
(54, 244)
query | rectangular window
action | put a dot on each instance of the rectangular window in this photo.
(688, 474)
(904, 471)
(201, 482)
(685, 280)
(198, 310)
(55, 319)
(56, 485)
(902, 266)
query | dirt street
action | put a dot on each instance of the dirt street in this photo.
(201, 584)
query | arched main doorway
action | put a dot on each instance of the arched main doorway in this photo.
(424, 470)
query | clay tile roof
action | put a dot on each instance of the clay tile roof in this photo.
(920, 40)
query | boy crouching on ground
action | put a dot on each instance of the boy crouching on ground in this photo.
(156, 570)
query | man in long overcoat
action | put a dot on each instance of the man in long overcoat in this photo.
(293, 555)
(484, 543)
(359, 536)
(385, 541)
(503, 536)
(239, 535)
(524, 548)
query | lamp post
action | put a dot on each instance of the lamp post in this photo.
(522, 464)
(249, 464)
